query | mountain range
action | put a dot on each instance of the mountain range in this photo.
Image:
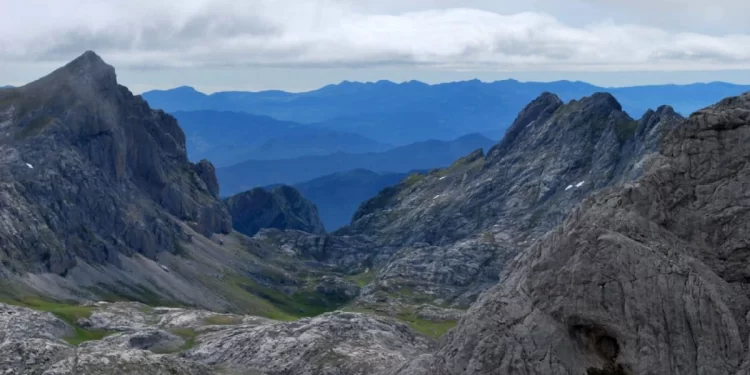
(402, 113)
(586, 241)
(228, 138)
(417, 156)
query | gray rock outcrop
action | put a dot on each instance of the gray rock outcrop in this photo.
(283, 208)
(650, 276)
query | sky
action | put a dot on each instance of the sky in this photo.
(298, 45)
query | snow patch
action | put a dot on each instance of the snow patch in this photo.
(437, 196)
(569, 187)
(30, 166)
(580, 184)
(441, 178)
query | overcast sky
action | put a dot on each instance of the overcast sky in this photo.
(303, 44)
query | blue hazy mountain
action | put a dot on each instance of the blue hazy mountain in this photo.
(417, 156)
(338, 195)
(413, 111)
(226, 138)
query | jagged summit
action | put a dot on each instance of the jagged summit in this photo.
(82, 75)
(100, 172)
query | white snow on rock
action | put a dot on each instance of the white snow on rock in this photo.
(580, 184)
(569, 187)
(437, 196)
(441, 178)
(30, 166)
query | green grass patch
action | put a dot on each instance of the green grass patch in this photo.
(35, 126)
(426, 327)
(625, 130)
(413, 179)
(361, 279)
(68, 313)
(222, 320)
(187, 334)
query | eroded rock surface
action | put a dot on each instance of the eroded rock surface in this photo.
(334, 343)
(649, 275)
(185, 341)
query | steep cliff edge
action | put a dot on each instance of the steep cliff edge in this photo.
(89, 171)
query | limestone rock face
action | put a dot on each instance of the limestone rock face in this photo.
(89, 171)
(198, 342)
(334, 343)
(448, 234)
(650, 275)
(281, 208)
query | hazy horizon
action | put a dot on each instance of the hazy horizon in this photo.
(296, 45)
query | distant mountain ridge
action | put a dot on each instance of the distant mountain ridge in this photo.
(338, 195)
(402, 113)
(227, 137)
(416, 156)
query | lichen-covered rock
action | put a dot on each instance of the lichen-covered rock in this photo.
(31, 340)
(129, 362)
(23, 323)
(31, 356)
(155, 340)
(333, 344)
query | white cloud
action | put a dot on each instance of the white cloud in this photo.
(199, 33)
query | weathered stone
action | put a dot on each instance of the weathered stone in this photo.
(281, 208)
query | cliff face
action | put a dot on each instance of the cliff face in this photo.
(89, 171)
(281, 208)
(651, 275)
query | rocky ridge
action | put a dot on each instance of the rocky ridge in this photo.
(443, 237)
(648, 276)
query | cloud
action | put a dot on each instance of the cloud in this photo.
(335, 33)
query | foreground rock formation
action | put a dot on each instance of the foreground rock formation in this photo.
(650, 276)
(145, 340)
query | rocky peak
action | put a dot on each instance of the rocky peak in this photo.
(88, 72)
(281, 208)
(649, 277)
(538, 110)
(97, 171)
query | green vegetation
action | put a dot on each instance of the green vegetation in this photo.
(361, 279)
(426, 327)
(271, 303)
(413, 179)
(625, 130)
(35, 126)
(222, 320)
(68, 313)
(488, 238)
(188, 334)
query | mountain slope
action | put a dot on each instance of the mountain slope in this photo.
(649, 277)
(98, 201)
(420, 155)
(413, 111)
(78, 150)
(282, 207)
(228, 138)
